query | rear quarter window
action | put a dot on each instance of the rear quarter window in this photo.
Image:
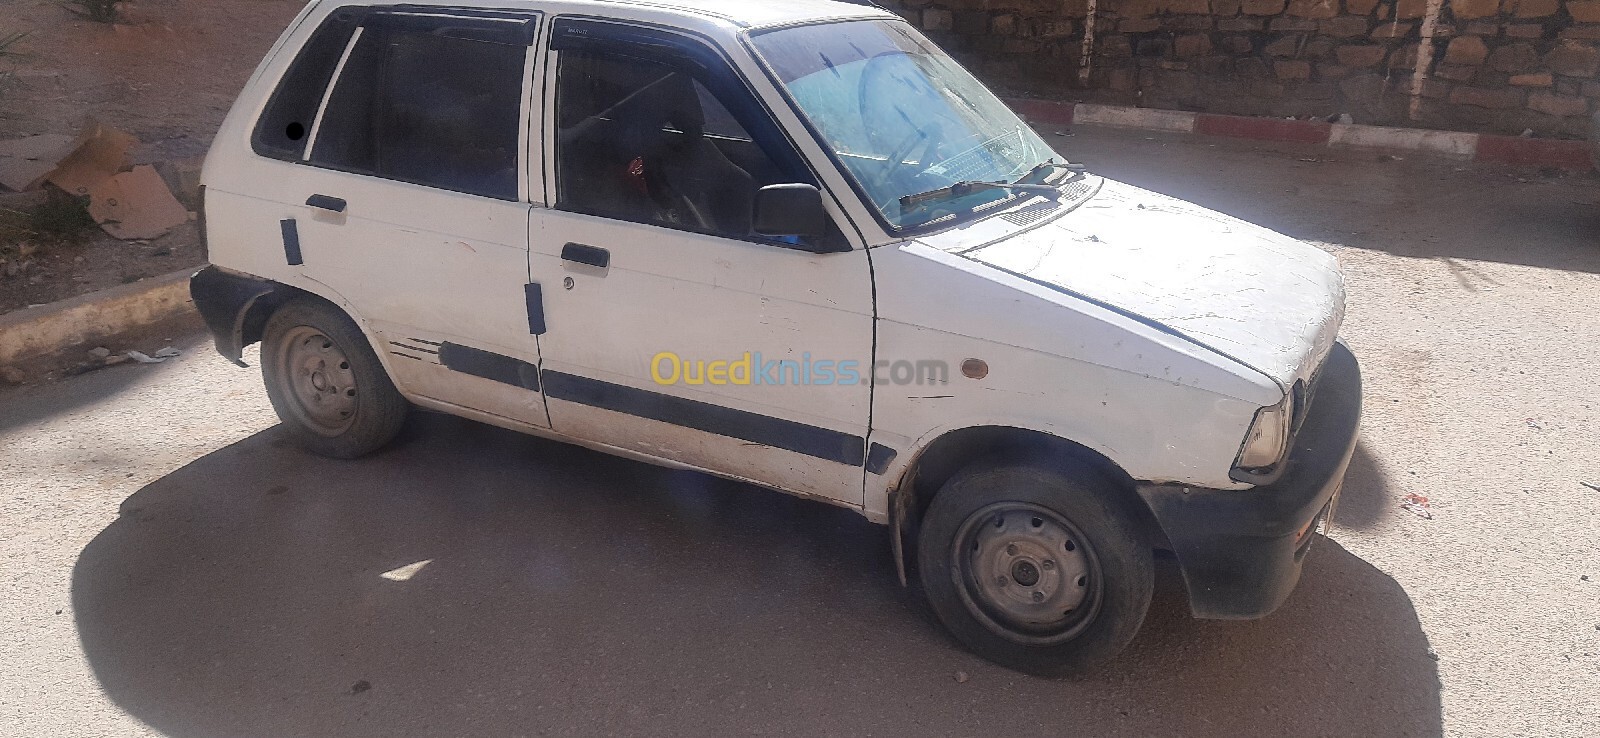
(285, 125)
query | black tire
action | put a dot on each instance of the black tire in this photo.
(1039, 568)
(325, 382)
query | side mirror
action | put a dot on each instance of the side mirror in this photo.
(790, 210)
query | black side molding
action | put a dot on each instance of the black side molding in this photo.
(878, 458)
(822, 443)
(489, 365)
(533, 294)
(291, 242)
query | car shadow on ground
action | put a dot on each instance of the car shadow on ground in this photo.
(1366, 500)
(260, 591)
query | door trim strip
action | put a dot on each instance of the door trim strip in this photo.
(821, 443)
(489, 365)
(291, 242)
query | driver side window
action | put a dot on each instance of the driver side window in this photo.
(648, 142)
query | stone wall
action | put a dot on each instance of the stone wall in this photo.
(1496, 66)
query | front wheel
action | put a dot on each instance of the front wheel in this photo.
(1037, 568)
(325, 382)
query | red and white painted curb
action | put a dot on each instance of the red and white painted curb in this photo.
(1469, 146)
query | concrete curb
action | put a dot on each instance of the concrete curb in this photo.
(1483, 147)
(45, 329)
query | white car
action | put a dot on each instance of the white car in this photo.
(791, 243)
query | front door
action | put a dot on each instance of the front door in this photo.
(674, 330)
(416, 201)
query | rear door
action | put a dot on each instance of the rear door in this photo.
(412, 203)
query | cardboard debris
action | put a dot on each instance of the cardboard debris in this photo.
(25, 162)
(135, 204)
(99, 152)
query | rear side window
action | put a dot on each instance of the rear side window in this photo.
(427, 102)
(284, 128)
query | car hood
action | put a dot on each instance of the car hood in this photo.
(1266, 300)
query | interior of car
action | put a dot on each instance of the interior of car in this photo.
(644, 142)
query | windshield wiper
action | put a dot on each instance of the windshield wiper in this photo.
(1052, 164)
(962, 189)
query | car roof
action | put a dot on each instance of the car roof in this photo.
(739, 13)
(763, 12)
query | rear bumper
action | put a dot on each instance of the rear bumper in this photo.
(224, 301)
(1241, 550)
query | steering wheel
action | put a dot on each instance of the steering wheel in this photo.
(893, 164)
(874, 73)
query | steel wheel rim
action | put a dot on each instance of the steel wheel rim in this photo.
(318, 381)
(1027, 573)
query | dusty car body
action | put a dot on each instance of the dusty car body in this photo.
(790, 243)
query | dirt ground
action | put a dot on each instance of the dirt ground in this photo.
(174, 566)
(166, 74)
(61, 270)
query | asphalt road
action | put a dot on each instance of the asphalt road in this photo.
(169, 564)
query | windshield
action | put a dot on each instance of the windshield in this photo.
(901, 116)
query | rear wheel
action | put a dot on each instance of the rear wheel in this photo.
(325, 382)
(1037, 568)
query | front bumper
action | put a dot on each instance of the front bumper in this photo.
(1241, 550)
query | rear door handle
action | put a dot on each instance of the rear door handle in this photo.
(582, 254)
(326, 202)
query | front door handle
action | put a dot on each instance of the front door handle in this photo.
(582, 254)
(326, 202)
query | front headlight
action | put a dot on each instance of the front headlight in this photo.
(1269, 435)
